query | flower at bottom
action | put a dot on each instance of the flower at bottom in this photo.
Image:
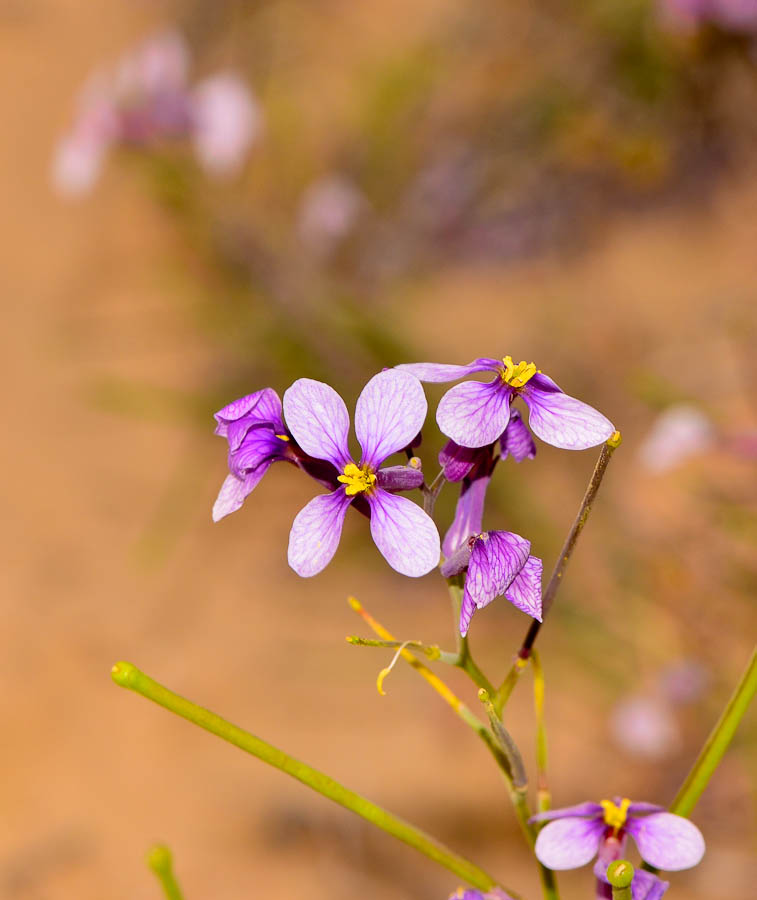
(575, 834)
(474, 894)
(389, 414)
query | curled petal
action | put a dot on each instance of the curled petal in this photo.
(399, 478)
(457, 461)
(496, 559)
(517, 440)
(568, 843)
(234, 491)
(525, 590)
(389, 413)
(474, 413)
(468, 515)
(404, 533)
(259, 445)
(667, 841)
(580, 810)
(318, 419)
(316, 531)
(563, 421)
(439, 372)
(262, 406)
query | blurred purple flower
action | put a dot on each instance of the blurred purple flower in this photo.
(329, 209)
(477, 413)
(644, 726)
(575, 834)
(677, 434)
(730, 15)
(143, 100)
(389, 414)
(683, 682)
(498, 562)
(474, 894)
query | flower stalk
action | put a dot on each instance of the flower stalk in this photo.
(129, 676)
(160, 861)
(620, 875)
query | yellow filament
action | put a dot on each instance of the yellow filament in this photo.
(356, 479)
(517, 376)
(615, 816)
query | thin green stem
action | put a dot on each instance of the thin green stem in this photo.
(718, 741)
(543, 797)
(620, 875)
(431, 651)
(556, 579)
(128, 676)
(464, 659)
(159, 860)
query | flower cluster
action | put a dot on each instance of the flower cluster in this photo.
(144, 100)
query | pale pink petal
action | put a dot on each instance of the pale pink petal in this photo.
(439, 372)
(580, 810)
(667, 841)
(318, 419)
(77, 164)
(568, 843)
(474, 413)
(404, 533)
(228, 119)
(234, 491)
(563, 421)
(390, 412)
(316, 531)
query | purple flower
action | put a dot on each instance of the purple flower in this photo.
(575, 834)
(645, 885)
(474, 894)
(498, 562)
(389, 414)
(477, 413)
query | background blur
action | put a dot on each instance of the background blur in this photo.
(569, 182)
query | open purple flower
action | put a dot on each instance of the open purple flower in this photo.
(389, 414)
(498, 562)
(575, 834)
(474, 894)
(477, 413)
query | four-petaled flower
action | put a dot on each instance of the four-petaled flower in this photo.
(575, 834)
(389, 414)
(477, 413)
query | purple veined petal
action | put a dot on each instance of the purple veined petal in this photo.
(264, 405)
(580, 810)
(390, 412)
(545, 383)
(563, 421)
(525, 590)
(468, 515)
(399, 478)
(496, 559)
(316, 531)
(234, 491)
(439, 372)
(667, 841)
(568, 843)
(646, 886)
(260, 445)
(475, 413)
(467, 608)
(404, 533)
(457, 461)
(517, 440)
(318, 419)
(639, 809)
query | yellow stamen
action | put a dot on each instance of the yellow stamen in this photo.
(517, 376)
(615, 816)
(282, 437)
(356, 479)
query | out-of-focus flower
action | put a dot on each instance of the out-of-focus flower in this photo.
(144, 100)
(498, 563)
(329, 210)
(474, 894)
(574, 835)
(389, 413)
(644, 726)
(677, 434)
(730, 15)
(683, 682)
(477, 413)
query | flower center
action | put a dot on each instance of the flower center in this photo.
(356, 479)
(615, 816)
(517, 376)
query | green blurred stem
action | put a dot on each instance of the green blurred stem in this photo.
(584, 510)
(159, 860)
(464, 660)
(543, 797)
(128, 676)
(717, 743)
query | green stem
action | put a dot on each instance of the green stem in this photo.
(620, 875)
(159, 860)
(464, 659)
(431, 651)
(128, 676)
(717, 743)
(543, 798)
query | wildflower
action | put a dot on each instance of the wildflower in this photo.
(477, 413)
(474, 894)
(645, 726)
(143, 100)
(678, 433)
(739, 16)
(389, 414)
(498, 563)
(575, 834)
(329, 210)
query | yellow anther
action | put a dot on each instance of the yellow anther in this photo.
(517, 376)
(282, 437)
(615, 816)
(356, 479)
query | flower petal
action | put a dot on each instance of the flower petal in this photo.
(264, 404)
(439, 372)
(259, 445)
(318, 419)
(468, 515)
(667, 841)
(525, 590)
(404, 533)
(475, 413)
(580, 810)
(563, 421)
(457, 461)
(645, 885)
(316, 531)
(568, 843)
(517, 439)
(234, 491)
(467, 608)
(390, 412)
(399, 478)
(496, 559)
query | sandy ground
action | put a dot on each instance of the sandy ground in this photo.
(90, 775)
